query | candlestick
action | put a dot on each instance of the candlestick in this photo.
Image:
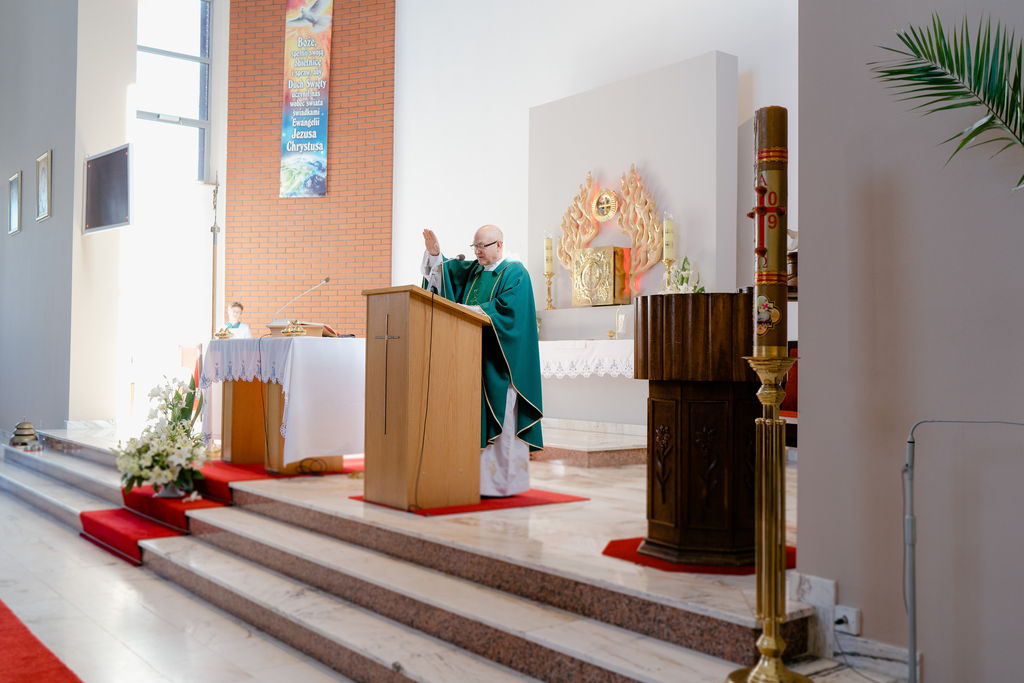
(548, 276)
(671, 286)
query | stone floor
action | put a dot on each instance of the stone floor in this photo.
(111, 622)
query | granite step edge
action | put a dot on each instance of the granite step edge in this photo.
(533, 638)
(357, 643)
(69, 445)
(695, 627)
(97, 480)
(60, 500)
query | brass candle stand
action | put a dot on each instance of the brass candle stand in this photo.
(770, 527)
(671, 286)
(548, 276)
(771, 362)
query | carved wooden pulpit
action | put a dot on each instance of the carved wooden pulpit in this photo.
(701, 411)
(423, 372)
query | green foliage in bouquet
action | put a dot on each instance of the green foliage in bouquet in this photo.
(689, 278)
(167, 452)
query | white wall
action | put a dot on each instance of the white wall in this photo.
(37, 72)
(467, 73)
(106, 68)
(910, 303)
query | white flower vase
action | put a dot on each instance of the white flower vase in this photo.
(169, 491)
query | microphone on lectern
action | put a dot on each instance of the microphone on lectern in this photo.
(316, 286)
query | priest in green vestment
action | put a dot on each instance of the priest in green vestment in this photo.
(511, 406)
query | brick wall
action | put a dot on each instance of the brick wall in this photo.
(276, 248)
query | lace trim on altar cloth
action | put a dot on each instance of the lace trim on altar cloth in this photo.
(243, 372)
(587, 367)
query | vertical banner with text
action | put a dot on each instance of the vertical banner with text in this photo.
(307, 70)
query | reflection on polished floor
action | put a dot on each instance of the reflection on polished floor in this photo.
(111, 622)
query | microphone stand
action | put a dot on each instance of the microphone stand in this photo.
(294, 329)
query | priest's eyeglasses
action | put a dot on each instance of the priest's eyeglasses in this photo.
(481, 247)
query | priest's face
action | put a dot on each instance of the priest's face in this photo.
(488, 245)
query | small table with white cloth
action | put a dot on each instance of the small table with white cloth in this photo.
(294, 403)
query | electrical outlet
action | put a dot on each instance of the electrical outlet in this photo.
(851, 624)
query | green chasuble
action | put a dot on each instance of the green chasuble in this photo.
(510, 352)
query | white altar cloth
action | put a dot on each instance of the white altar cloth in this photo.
(324, 388)
(586, 357)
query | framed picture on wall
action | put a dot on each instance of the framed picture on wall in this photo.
(43, 178)
(14, 203)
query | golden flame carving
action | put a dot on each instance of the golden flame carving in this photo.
(638, 218)
(578, 225)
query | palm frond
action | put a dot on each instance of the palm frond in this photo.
(939, 70)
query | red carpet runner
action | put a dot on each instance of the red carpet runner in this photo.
(522, 500)
(218, 476)
(169, 511)
(625, 549)
(119, 531)
(146, 516)
(24, 659)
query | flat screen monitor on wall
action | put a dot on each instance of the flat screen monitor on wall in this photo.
(108, 189)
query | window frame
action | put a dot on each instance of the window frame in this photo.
(206, 65)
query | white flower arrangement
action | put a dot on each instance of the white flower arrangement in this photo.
(167, 453)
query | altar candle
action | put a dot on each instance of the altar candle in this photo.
(668, 235)
(548, 260)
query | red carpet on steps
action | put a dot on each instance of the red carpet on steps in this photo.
(526, 499)
(146, 516)
(218, 475)
(120, 531)
(625, 549)
(23, 659)
(170, 511)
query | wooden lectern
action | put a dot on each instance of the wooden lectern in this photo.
(701, 414)
(423, 373)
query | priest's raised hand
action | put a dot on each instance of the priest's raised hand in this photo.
(430, 242)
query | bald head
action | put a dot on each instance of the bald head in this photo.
(491, 236)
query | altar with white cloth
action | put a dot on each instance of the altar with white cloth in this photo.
(586, 357)
(591, 380)
(317, 406)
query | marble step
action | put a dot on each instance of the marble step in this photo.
(536, 639)
(713, 622)
(580, 448)
(62, 501)
(357, 643)
(81, 444)
(102, 481)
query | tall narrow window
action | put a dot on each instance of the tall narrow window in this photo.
(173, 72)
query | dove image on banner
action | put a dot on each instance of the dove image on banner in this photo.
(307, 69)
